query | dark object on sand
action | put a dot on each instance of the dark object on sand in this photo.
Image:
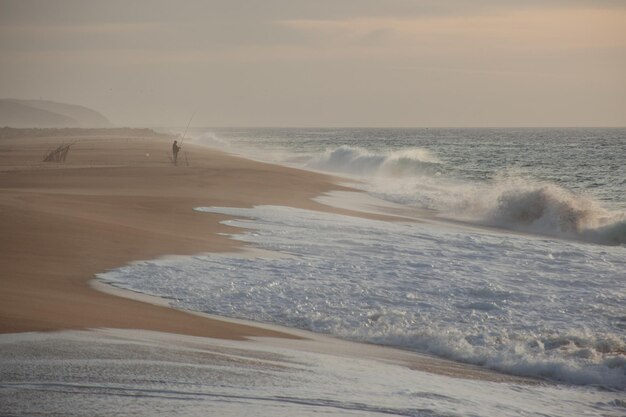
(175, 149)
(58, 155)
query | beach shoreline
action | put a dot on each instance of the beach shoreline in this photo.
(119, 199)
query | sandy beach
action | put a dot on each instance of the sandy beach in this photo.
(375, 208)
(119, 198)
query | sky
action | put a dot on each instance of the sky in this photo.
(335, 63)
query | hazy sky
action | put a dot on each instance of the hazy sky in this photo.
(322, 62)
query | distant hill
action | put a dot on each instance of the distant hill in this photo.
(42, 113)
(79, 132)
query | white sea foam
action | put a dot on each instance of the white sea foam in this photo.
(523, 305)
(417, 177)
(514, 204)
(130, 372)
(468, 189)
(212, 140)
(397, 163)
(548, 209)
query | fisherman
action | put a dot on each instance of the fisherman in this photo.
(175, 149)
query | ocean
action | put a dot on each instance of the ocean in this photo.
(518, 263)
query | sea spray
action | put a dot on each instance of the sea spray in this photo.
(358, 161)
(547, 209)
(565, 183)
(417, 177)
(211, 139)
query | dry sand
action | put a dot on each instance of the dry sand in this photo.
(119, 198)
(116, 199)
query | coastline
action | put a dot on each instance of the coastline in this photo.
(304, 341)
(115, 200)
(120, 199)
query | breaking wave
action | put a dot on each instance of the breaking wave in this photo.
(358, 161)
(212, 140)
(578, 359)
(527, 206)
(518, 305)
(417, 177)
(548, 209)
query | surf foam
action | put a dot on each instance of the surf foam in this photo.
(358, 161)
(467, 181)
(140, 373)
(524, 305)
(417, 177)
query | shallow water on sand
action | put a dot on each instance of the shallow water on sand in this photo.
(105, 372)
(520, 304)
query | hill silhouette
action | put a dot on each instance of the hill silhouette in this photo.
(43, 113)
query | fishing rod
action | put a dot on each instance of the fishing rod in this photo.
(187, 128)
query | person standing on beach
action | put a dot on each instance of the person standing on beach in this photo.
(175, 149)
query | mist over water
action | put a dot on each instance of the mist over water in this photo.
(568, 183)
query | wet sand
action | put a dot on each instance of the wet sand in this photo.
(119, 198)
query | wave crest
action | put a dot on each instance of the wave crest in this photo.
(548, 209)
(574, 359)
(358, 161)
(210, 139)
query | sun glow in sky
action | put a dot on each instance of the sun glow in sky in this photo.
(322, 63)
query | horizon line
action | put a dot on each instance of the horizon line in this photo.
(380, 127)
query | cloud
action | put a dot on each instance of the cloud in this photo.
(375, 37)
(536, 30)
(322, 62)
(212, 11)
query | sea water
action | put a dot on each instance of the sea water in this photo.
(520, 268)
(140, 373)
(558, 182)
(523, 272)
